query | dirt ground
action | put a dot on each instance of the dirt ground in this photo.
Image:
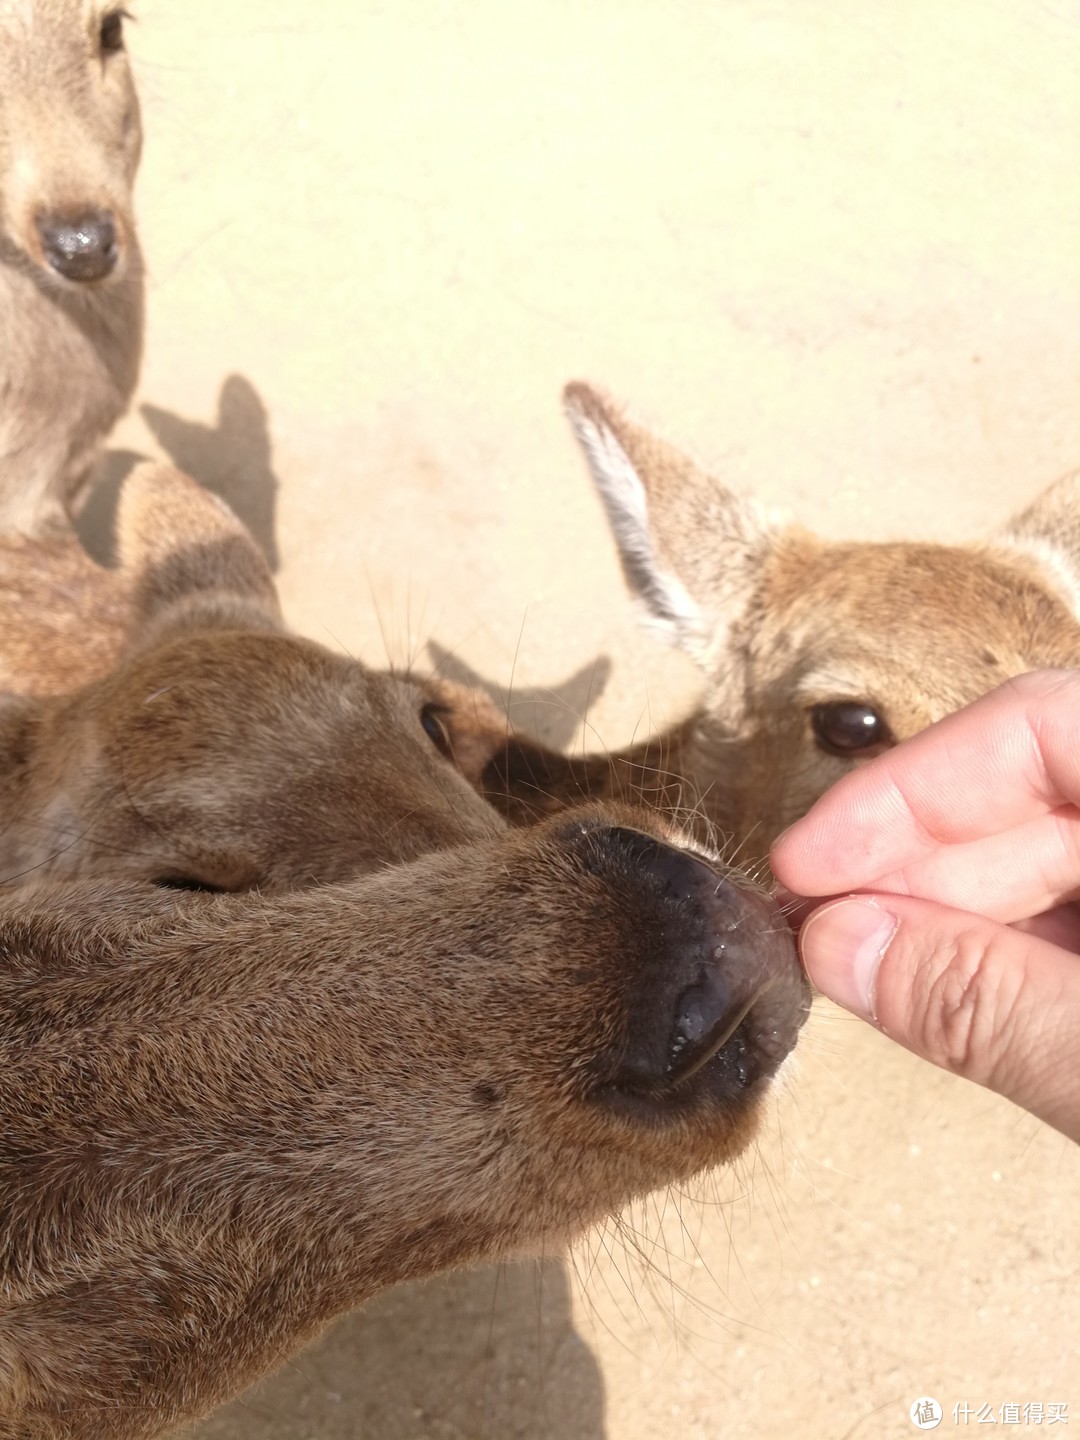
(834, 249)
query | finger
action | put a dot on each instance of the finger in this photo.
(1008, 876)
(1061, 927)
(1006, 759)
(984, 1000)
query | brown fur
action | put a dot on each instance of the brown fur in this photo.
(218, 750)
(780, 622)
(225, 1119)
(70, 139)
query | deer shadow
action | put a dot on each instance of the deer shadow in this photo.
(467, 1356)
(548, 713)
(233, 458)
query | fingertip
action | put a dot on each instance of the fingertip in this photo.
(783, 857)
(842, 946)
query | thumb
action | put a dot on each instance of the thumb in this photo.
(988, 1002)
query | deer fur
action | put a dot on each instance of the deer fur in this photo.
(125, 751)
(70, 139)
(228, 1119)
(416, 1040)
(785, 627)
(212, 748)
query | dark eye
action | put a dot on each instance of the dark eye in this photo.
(185, 882)
(849, 727)
(435, 728)
(112, 31)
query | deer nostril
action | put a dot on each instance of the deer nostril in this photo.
(714, 994)
(81, 247)
(707, 1014)
(703, 1020)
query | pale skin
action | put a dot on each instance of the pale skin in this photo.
(961, 940)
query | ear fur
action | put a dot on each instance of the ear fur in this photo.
(20, 726)
(191, 562)
(523, 779)
(475, 726)
(1049, 532)
(560, 707)
(692, 550)
(15, 712)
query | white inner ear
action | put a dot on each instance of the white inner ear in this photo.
(1052, 561)
(627, 507)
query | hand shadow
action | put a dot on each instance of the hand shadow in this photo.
(232, 458)
(488, 1354)
(548, 713)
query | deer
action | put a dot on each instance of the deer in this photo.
(288, 1013)
(71, 272)
(814, 655)
(157, 721)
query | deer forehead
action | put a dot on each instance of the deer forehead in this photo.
(69, 126)
(215, 684)
(913, 596)
(927, 627)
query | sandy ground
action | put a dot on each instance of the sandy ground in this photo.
(834, 249)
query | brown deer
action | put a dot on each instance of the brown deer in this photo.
(71, 276)
(814, 655)
(227, 1118)
(212, 748)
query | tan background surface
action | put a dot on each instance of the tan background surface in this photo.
(833, 249)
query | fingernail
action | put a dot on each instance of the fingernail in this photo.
(842, 946)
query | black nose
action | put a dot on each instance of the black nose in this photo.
(80, 247)
(715, 994)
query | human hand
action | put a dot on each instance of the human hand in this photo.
(965, 946)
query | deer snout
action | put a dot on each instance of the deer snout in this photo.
(80, 247)
(718, 996)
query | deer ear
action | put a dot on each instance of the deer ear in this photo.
(1049, 531)
(692, 550)
(189, 560)
(521, 778)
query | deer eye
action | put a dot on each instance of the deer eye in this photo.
(111, 36)
(849, 727)
(187, 882)
(435, 728)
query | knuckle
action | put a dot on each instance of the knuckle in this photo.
(971, 1007)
